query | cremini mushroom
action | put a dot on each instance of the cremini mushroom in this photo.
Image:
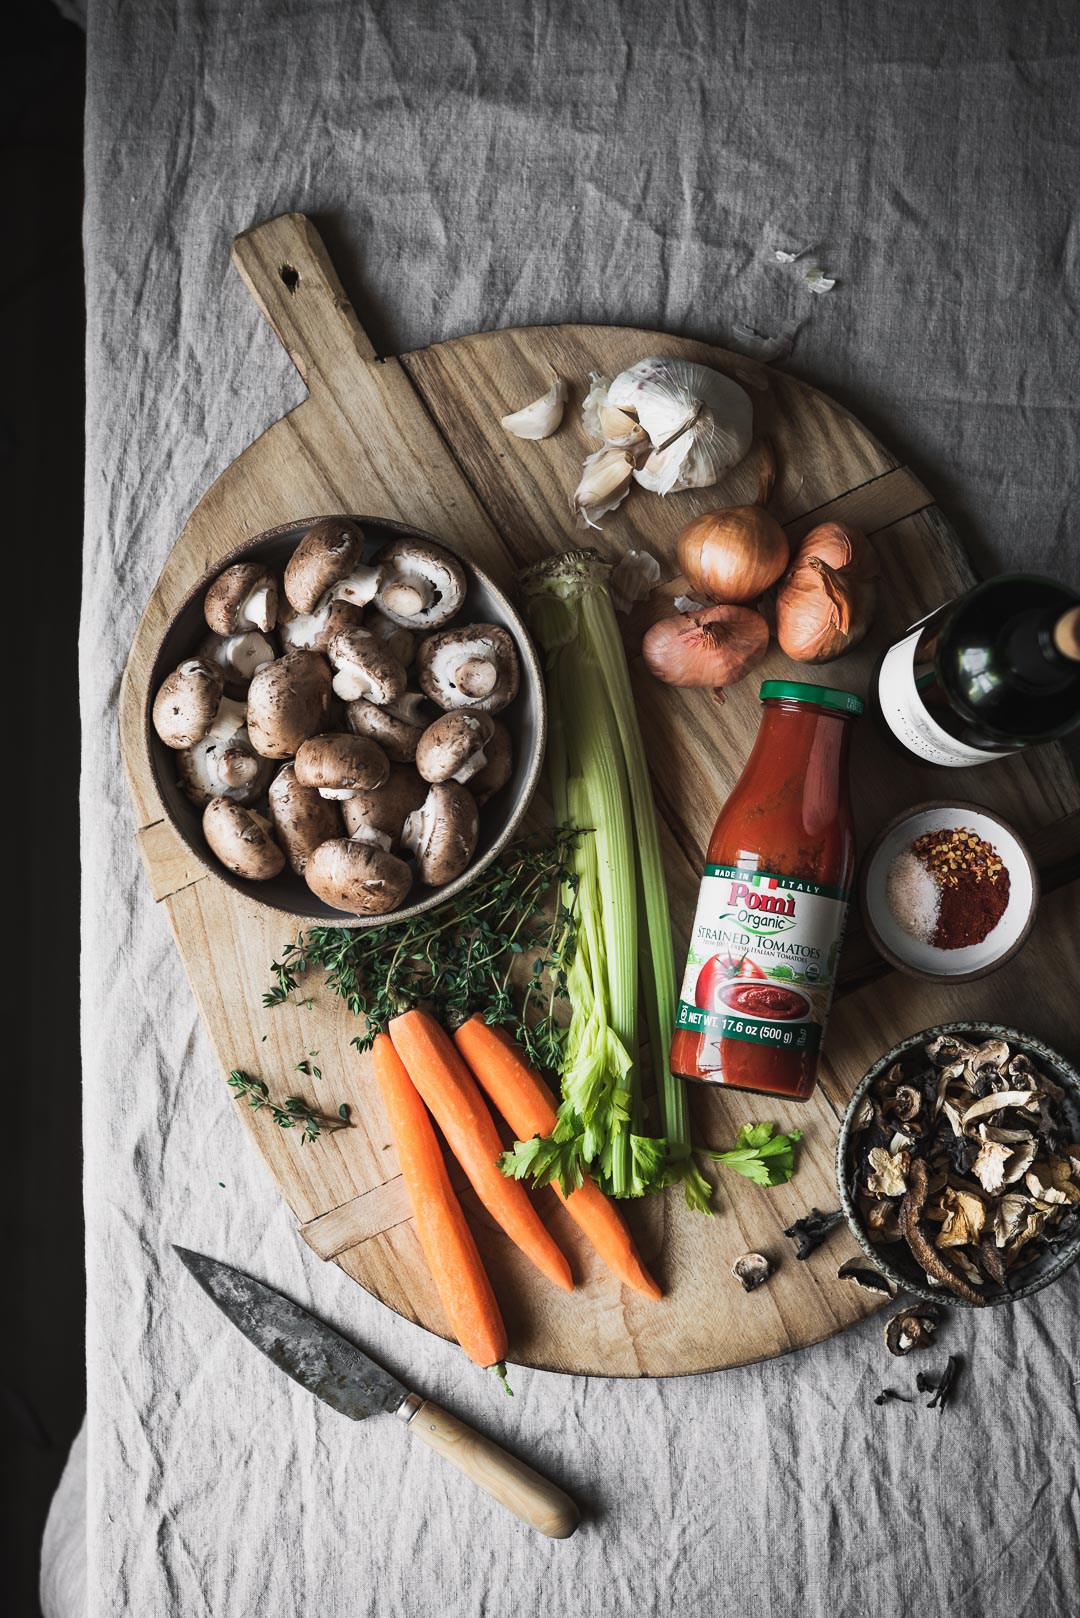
(313, 631)
(379, 815)
(244, 597)
(442, 833)
(238, 657)
(365, 667)
(423, 586)
(188, 701)
(453, 748)
(223, 765)
(302, 818)
(328, 564)
(357, 876)
(396, 726)
(338, 766)
(242, 839)
(288, 701)
(499, 752)
(472, 667)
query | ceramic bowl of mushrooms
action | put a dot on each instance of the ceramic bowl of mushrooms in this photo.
(346, 720)
(958, 1164)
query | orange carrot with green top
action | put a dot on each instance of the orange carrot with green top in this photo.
(517, 1091)
(445, 1239)
(452, 1097)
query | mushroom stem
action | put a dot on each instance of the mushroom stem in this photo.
(408, 595)
(476, 677)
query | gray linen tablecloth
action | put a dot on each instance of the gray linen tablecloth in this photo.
(475, 164)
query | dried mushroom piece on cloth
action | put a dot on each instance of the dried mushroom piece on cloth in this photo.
(964, 1153)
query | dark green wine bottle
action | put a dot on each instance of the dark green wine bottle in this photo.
(993, 671)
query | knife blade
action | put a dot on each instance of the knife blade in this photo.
(349, 1381)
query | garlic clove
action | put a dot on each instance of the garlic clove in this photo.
(605, 483)
(592, 403)
(663, 471)
(541, 418)
(621, 430)
(674, 398)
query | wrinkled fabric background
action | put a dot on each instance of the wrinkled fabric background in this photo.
(475, 164)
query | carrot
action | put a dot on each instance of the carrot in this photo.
(451, 1095)
(525, 1101)
(445, 1239)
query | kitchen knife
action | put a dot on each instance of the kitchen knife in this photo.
(343, 1376)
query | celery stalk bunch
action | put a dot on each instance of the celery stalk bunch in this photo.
(623, 960)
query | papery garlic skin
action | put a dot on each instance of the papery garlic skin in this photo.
(541, 418)
(632, 579)
(700, 423)
(605, 483)
(592, 402)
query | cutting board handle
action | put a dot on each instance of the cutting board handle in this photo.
(286, 268)
(514, 1485)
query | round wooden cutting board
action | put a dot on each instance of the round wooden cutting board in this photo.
(418, 439)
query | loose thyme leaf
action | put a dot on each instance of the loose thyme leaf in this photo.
(762, 1155)
(294, 1111)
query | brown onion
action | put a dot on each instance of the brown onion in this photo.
(734, 554)
(826, 599)
(715, 646)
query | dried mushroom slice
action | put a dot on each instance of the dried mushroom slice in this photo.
(887, 1176)
(931, 1261)
(751, 1270)
(913, 1327)
(864, 1275)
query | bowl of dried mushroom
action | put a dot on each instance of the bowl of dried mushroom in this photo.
(959, 1164)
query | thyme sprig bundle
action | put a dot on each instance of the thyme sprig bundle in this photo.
(460, 957)
(293, 1113)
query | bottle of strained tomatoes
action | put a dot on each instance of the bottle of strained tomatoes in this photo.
(773, 902)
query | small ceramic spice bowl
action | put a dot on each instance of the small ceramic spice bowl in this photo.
(942, 874)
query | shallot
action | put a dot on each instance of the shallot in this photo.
(714, 647)
(826, 599)
(736, 553)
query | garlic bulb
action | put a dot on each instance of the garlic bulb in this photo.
(698, 421)
(541, 418)
(605, 483)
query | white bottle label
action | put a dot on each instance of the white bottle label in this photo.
(908, 717)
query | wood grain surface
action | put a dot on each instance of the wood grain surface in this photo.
(418, 439)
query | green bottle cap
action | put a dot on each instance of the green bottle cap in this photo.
(823, 695)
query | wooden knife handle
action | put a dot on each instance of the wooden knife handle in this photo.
(502, 1476)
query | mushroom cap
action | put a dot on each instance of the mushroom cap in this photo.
(358, 877)
(453, 748)
(472, 667)
(222, 767)
(242, 839)
(442, 833)
(396, 732)
(423, 585)
(366, 667)
(187, 702)
(337, 765)
(313, 631)
(288, 701)
(238, 656)
(301, 816)
(330, 554)
(244, 597)
(379, 814)
(499, 752)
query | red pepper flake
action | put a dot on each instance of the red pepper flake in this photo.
(973, 880)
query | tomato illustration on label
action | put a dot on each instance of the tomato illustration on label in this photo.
(719, 971)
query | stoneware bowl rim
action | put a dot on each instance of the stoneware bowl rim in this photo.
(1056, 1263)
(898, 961)
(532, 685)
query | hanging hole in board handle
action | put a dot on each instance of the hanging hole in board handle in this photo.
(291, 277)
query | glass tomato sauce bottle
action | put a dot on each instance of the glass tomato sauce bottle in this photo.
(773, 902)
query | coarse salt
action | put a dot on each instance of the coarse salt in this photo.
(913, 895)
